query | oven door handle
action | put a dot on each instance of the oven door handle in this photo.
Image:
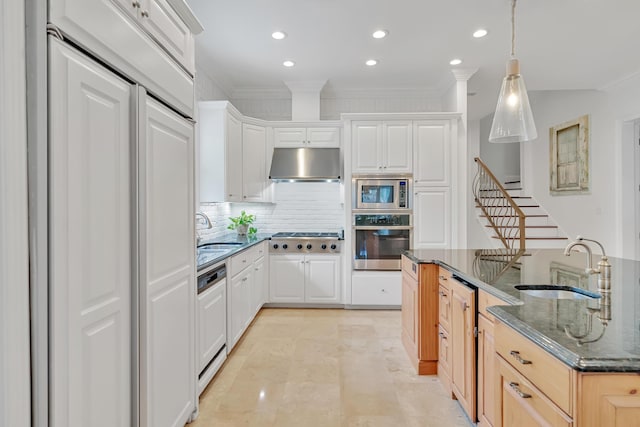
(381, 227)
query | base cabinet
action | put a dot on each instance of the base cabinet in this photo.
(608, 400)
(245, 295)
(305, 279)
(419, 315)
(463, 346)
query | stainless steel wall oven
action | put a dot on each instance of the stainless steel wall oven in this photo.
(380, 238)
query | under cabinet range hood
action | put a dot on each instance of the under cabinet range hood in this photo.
(305, 164)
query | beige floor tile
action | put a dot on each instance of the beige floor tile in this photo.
(324, 367)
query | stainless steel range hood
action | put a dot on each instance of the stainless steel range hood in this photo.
(305, 164)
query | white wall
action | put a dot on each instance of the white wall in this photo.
(308, 206)
(597, 214)
(502, 159)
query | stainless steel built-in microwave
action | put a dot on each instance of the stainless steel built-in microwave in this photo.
(382, 193)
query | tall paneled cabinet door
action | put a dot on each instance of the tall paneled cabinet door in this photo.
(366, 147)
(167, 270)
(254, 153)
(432, 152)
(90, 245)
(432, 213)
(397, 147)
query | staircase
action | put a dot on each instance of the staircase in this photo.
(540, 230)
(515, 220)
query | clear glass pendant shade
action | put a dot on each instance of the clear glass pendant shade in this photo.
(513, 120)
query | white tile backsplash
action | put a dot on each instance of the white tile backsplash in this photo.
(297, 206)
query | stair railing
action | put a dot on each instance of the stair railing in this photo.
(490, 264)
(504, 215)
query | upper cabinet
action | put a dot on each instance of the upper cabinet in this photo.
(151, 41)
(232, 154)
(382, 147)
(432, 152)
(306, 137)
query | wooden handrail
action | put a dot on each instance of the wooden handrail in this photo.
(504, 215)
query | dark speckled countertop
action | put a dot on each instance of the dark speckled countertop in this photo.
(607, 346)
(205, 259)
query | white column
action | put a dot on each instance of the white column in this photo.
(15, 393)
(305, 100)
(459, 152)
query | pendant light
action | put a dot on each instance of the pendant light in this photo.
(513, 120)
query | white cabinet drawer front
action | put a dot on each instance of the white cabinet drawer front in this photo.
(168, 29)
(376, 288)
(241, 261)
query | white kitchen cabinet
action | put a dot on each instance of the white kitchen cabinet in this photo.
(166, 27)
(167, 265)
(311, 137)
(432, 152)
(90, 242)
(382, 147)
(246, 293)
(212, 322)
(322, 278)
(305, 278)
(112, 30)
(254, 169)
(376, 288)
(258, 294)
(239, 313)
(432, 217)
(232, 154)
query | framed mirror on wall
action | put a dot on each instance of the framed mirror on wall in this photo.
(569, 157)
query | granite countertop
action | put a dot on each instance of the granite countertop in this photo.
(205, 259)
(607, 345)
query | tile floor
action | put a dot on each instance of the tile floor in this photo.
(324, 367)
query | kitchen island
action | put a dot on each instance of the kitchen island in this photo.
(565, 361)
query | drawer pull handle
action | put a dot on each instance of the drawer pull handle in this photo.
(516, 388)
(516, 355)
(442, 294)
(443, 278)
(442, 335)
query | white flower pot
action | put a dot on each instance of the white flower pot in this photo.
(242, 229)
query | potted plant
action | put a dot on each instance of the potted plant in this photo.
(241, 224)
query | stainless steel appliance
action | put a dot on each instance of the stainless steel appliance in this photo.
(382, 193)
(305, 164)
(379, 239)
(305, 242)
(211, 322)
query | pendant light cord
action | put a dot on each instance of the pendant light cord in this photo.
(513, 28)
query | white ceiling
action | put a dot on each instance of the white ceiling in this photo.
(561, 44)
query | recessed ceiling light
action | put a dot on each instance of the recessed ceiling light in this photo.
(278, 35)
(455, 61)
(380, 34)
(288, 63)
(480, 33)
(371, 62)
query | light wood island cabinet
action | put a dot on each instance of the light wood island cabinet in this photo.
(420, 314)
(534, 388)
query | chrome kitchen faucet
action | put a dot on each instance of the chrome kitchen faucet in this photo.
(604, 268)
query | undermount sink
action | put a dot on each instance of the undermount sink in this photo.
(219, 246)
(556, 292)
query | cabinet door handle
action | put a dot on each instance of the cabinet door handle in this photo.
(464, 305)
(244, 279)
(135, 4)
(144, 14)
(516, 388)
(516, 355)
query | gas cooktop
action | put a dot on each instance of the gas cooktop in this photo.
(305, 235)
(305, 242)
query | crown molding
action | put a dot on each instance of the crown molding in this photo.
(184, 11)
(619, 82)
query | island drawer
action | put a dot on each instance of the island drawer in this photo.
(548, 374)
(444, 307)
(412, 268)
(523, 403)
(485, 300)
(444, 276)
